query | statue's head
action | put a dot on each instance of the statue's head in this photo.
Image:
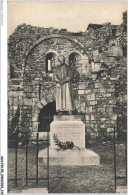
(61, 59)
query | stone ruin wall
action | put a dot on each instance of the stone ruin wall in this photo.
(95, 98)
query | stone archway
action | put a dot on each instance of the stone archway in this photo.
(46, 116)
(75, 52)
(51, 37)
(36, 43)
(52, 51)
(38, 106)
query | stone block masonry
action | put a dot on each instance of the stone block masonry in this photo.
(96, 96)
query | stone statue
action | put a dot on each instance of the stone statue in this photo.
(62, 77)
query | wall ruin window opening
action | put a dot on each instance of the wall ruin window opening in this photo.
(74, 59)
(75, 64)
(50, 57)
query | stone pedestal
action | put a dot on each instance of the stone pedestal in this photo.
(69, 128)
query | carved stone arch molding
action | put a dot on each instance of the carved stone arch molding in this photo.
(51, 51)
(75, 51)
(36, 43)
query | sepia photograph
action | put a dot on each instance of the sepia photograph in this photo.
(67, 97)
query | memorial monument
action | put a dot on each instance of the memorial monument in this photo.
(67, 131)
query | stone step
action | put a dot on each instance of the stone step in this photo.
(35, 190)
(30, 190)
(14, 79)
(15, 86)
(121, 189)
(71, 157)
(67, 118)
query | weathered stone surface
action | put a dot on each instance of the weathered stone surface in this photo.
(81, 86)
(33, 190)
(87, 117)
(78, 157)
(92, 97)
(39, 105)
(67, 117)
(91, 93)
(80, 92)
(43, 101)
(109, 130)
(68, 131)
(35, 126)
(35, 118)
(92, 117)
(27, 101)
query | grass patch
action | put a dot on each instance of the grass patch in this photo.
(69, 179)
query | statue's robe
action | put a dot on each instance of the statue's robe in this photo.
(63, 91)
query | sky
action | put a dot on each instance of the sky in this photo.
(72, 15)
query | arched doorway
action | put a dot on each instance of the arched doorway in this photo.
(46, 117)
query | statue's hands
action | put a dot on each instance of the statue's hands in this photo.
(68, 78)
(56, 79)
(61, 82)
(64, 81)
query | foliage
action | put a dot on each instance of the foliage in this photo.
(13, 128)
(63, 145)
(16, 136)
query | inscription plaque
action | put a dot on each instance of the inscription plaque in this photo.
(68, 131)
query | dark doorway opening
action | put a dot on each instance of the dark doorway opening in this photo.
(46, 117)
